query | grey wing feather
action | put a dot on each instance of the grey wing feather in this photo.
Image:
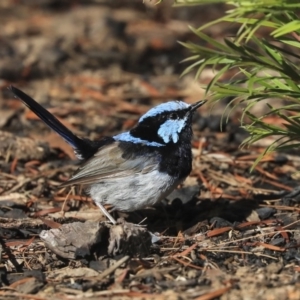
(108, 163)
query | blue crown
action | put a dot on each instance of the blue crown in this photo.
(165, 107)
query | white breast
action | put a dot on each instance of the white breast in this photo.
(133, 192)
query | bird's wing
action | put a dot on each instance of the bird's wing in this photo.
(108, 163)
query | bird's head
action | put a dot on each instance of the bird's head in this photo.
(167, 123)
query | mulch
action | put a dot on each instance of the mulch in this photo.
(229, 232)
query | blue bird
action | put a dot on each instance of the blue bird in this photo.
(133, 169)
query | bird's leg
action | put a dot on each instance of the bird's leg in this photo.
(106, 213)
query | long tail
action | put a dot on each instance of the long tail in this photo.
(83, 148)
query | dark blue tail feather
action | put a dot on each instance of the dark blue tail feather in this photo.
(83, 148)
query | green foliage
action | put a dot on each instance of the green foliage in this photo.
(264, 68)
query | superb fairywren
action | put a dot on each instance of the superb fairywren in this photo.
(133, 169)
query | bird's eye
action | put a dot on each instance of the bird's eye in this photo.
(173, 116)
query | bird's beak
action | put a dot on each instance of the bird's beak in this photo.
(194, 106)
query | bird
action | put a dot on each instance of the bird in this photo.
(133, 169)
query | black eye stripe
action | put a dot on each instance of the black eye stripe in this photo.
(173, 116)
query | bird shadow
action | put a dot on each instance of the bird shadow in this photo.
(171, 218)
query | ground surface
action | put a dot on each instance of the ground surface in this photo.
(227, 233)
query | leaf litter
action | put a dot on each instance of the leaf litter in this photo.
(226, 233)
